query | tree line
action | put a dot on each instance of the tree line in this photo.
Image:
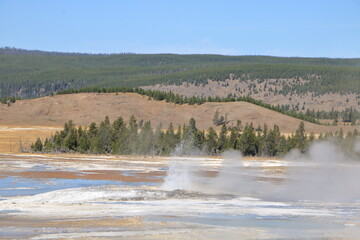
(349, 115)
(139, 137)
(8, 100)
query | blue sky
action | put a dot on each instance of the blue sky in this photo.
(307, 28)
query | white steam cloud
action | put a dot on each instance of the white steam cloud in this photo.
(325, 173)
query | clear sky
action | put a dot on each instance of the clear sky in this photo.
(307, 28)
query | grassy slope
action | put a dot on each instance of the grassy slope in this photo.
(84, 108)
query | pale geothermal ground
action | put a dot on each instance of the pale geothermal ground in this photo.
(228, 197)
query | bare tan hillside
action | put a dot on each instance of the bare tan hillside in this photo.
(268, 91)
(93, 107)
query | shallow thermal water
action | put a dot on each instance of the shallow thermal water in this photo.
(106, 197)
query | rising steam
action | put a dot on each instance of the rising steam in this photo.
(324, 173)
(327, 174)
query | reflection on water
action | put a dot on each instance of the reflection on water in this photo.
(17, 186)
(110, 198)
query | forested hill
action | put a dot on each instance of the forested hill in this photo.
(153, 59)
(26, 73)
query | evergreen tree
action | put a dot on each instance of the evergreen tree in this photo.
(146, 139)
(158, 141)
(178, 134)
(270, 141)
(191, 138)
(222, 139)
(70, 141)
(38, 146)
(248, 141)
(300, 138)
(92, 130)
(170, 140)
(119, 136)
(132, 140)
(107, 120)
(83, 141)
(48, 145)
(234, 139)
(217, 119)
(281, 146)
(102, 141)
(211, 141)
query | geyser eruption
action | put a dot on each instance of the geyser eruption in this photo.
(178, 175)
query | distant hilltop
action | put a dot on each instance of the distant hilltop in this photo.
(7, 50)
(292, 83)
